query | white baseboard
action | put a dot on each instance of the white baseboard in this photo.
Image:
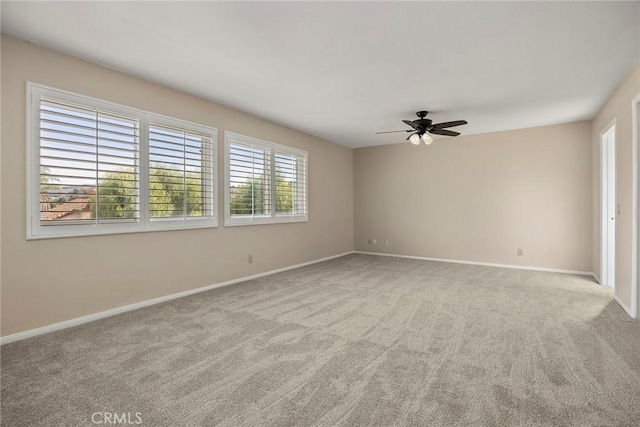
(624, 306)
(596, 278)
(112, 312)
(486, 264)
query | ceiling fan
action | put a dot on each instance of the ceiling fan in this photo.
(423, 128)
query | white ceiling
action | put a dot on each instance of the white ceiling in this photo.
(344, 70)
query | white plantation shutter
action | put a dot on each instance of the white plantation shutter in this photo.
(265, 182)
(249, 180)
(88, 164)
(291, 183)
(181, 168)
(96, 167)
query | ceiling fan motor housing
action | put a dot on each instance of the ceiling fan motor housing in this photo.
(423, 125)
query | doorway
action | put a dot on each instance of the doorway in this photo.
(608, 205)
(635, 227)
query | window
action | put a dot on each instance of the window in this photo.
(265, 182)
(290, 183)
(100, 168)
(249, 181)
(88, 165)
(180, 173)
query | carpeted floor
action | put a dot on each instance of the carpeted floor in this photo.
(360, 340)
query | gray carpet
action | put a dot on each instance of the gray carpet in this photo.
(360, 340)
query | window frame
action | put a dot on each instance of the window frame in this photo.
(274, 217)
(35, 230)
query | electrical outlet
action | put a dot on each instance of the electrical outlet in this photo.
(386, 243)
(520, 252)
(375, 242)
(250, 259)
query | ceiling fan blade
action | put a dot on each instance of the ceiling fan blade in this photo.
(410, 123)
(394, 131)
(450, 124)
(445, 132)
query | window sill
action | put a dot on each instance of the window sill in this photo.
(238, 222)
(154, 226)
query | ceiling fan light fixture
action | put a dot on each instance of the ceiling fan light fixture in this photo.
(415, 139)
(427, 138)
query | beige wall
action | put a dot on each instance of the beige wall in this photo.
(617, 107)
(48, 281)
(481, 197)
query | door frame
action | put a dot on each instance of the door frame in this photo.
(635, 225)
(605, 238)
